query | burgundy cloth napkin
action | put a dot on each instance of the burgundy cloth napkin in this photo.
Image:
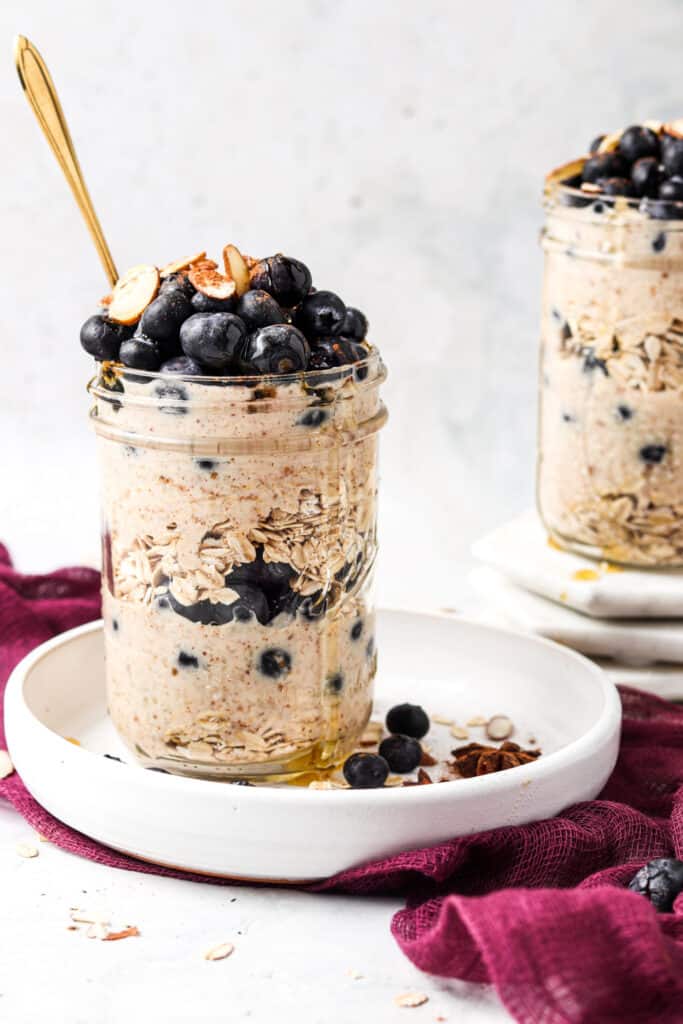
(540, 911)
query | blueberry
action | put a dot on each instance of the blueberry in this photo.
(617, 187)
(646, 176)
(408, 720)
(637, 142)
(206, 613)
(357, 353)
(624, 412)
(165, 390)
(402, 753)
(179, 282)
(653, 453)
(183, 365)
(320, 315)
(355, 324)
(162, 319)
(186, 660)
(115, 625)
(659, 242)
(672, 188)
(329, 352)
(335, 683)
(365, 771)
(357, 629)
(277, 349)
(574, 198)
(662, 209)
(206, 464)
(213, 339)
(259, 309)
(202, 303)
(593, 148)
(313, 418)
(660, 881)
(140, 353)
(672, 154)
(370, 647)
(275, 662)
(101, 338)
(603, 165)
(251, 603)
(286, 279)
(241, 782)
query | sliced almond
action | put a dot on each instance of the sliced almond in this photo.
(6, 766)
(459, 732)
(499, 727)
(236, 268)
(442, 720)
(476, 720)
(220, 952)
(210, 282)
(569, 170)
(654, 126)
(133, 293)
(674, 128)
(173, 268)
(591, 188)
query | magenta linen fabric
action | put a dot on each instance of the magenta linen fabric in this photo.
(540, 911)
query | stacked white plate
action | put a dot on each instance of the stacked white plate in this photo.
(629, 620)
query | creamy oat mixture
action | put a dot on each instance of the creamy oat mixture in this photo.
(610, 478)
(239, 539)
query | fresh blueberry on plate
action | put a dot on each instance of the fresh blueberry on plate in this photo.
(408, 720)
(365, 771)
(402, 753)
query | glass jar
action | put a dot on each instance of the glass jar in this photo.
(239, 538)
(610, 465)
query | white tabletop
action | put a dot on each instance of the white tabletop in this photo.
(297, 957)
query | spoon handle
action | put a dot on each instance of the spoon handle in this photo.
(42, 95)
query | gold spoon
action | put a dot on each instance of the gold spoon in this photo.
(42, 95)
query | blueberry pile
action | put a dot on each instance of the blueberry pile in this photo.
(399, 752)
(256, 318)
(641, 164)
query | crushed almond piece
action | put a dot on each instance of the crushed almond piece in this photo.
(6, 766)
(499, 727)
(442, 720)
(411, 999)
(458, 732)
(211, 282)
(219, 952)
(26, 850)
(476, 720)
(125, 933)
(177, 265)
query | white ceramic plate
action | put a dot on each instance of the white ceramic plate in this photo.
(454, 668)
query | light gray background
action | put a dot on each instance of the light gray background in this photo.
(397, 147)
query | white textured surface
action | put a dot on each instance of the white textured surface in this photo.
(521, 552)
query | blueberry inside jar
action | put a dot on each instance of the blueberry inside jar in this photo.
(610, 463)
(241, 539)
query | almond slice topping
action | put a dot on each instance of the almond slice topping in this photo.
(173, 268)
(210, 282)
(133, 293)
(674, 128)
(236, 268)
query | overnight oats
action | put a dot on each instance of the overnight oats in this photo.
(610, 474)
(237, 412)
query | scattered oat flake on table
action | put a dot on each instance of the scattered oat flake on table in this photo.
(411, 999)
(125, 933)
(6, 766)
(26, 850)
(220, 952)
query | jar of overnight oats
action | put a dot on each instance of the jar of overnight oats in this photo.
(610, 466)
(237, 417)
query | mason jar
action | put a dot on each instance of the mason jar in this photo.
(610, 463)
(239, 539)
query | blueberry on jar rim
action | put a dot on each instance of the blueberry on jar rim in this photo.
(213, 339)
(637, 142)
(646, 176)
(320, 315)
(101, 338)
(277, 349)
(140, 353)
(162, 319)
(603, 165)
(355, 324)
